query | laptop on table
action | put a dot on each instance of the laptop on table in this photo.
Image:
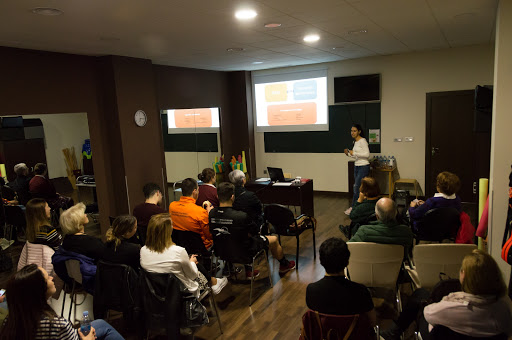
(276, 175)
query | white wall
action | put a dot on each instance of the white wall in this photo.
(181, 165)
(62, 131)
(406, 79)
(501, 145)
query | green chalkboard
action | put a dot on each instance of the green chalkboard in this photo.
(341, 118)
(188, 142)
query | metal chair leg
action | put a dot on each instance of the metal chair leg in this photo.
(63, 301)
(252, 282)
(269, 272)
(214, 303)
(314, 243)
(297, 254)
(71, 302)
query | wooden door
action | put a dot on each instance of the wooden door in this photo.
(452, 145)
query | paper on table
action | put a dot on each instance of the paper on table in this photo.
(263, 179)
(282, 184)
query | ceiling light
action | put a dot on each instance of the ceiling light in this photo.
(338, 47)
(47, 11)
(311, 38)
(245, 14)
(235, 49)
(361, 31)
(257, 62)
(272, 25)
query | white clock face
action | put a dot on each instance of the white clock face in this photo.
(140, 118)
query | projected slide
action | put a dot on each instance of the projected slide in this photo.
(292, 105)
(193, 120)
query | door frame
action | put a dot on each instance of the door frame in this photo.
(428, 139)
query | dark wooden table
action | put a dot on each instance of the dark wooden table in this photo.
(297, 194)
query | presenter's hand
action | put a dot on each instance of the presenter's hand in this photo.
(346, 151)
(351, 152)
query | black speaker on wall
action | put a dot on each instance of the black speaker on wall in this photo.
(482, 121)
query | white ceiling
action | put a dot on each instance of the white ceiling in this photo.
(196, 33)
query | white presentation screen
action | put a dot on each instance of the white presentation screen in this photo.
(205, 120)
(291, 102)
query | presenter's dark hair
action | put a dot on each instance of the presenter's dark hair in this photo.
(225, 190)
(334, 255)
(206, 175)
(360, 128)
(150, 189)
(187, 186)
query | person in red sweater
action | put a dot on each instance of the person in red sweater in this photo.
(41, 187)
(207, 191)
(144, 211)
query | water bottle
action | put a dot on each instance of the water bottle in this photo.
(391, 161)
(385, 161)
(85, 324)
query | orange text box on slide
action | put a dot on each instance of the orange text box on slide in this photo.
(192, 118)
(292, 114)
(276, 93)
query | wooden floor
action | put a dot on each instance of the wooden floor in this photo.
(277, 313)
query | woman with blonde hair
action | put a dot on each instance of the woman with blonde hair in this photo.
(482, 308)
(72, 222)
(162, 255)
(39, 229)
(119, 249)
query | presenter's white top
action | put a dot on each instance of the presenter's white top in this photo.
(172, 260)
(361, 152)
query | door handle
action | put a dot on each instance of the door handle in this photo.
(474, 187)
(434, 150)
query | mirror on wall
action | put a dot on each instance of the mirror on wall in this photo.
(191, 142)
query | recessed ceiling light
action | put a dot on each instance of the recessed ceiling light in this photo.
(245, 14)
(311, 38)
(235, 49)
(361, 31)
(257, 62)
(47, 11)
(272, 25)
(338, 47)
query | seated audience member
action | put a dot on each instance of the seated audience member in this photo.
(39, 229)
(72, 222)
(119, 249)
(161, 255)
(334, 293)
(41, 187)
(364, 207)
(144, 211)
(207, 191)
(481, 310)
(226, 218)
(187, 216)
(447, 186)
(386, 229)
(245, 200)
(30, 316)
(21, 184)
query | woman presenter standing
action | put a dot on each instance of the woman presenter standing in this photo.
(360, 152)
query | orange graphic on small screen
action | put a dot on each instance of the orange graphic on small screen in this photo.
(193, 118)
(292, 114)
(276, 93)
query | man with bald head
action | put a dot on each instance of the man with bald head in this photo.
(386, 229)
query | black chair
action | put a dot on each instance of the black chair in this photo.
(285, 224)
(116, 288)
(438, 224)
(442, 332)
(14, 218)
(193, 244)
(74, 287)
(229, 249)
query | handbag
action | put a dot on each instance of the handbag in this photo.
(194, 314)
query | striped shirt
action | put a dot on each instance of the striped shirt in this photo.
(49, 237)
(58, 329)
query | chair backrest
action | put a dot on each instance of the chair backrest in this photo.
(229, 248)
(280, 217)
(15, 215)
(189, 240)
(375, 264)
(439, 224)
(73, 269)
(7, 192)
(432, 259)
(443, 332)
(39, 254)
(116, 286)
(335, 327)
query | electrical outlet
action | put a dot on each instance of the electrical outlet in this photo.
(398, 139)
(265, 171)
(409, 139)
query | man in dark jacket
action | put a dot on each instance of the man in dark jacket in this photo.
(386, 229)
(20, 184)
(245, 200)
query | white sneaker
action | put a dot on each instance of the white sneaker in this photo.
(221, 283)
(348, 211)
